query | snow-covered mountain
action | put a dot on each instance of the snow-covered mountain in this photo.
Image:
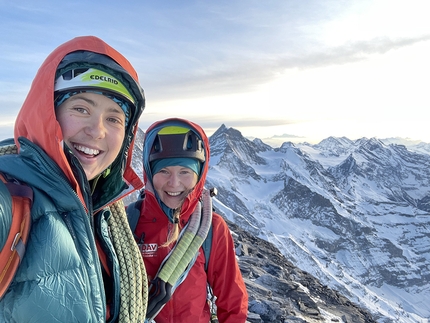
(354, 214)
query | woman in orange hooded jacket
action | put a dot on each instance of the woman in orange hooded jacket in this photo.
(176, 161)
(75, 133)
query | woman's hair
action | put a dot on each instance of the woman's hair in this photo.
(176, 227)
(174, 233)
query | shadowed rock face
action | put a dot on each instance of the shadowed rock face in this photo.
(280, 292)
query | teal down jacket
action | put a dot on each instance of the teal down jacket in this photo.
(61, 277)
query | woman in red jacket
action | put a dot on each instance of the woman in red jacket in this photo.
(175, 216)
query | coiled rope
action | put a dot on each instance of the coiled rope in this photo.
(192, 240)
(133, 279)
(134, 283)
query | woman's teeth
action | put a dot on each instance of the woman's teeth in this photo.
(87, 150)
(173, 193)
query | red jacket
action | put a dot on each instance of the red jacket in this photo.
(189, 301)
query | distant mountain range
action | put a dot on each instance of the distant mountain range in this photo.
(353, 214)
(278, 140)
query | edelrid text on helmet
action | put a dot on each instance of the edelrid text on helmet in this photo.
(104, 79)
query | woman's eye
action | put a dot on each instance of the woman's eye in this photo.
(80, 109)
(115, 120)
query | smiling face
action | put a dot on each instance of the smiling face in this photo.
(93, 128)
(173, 183)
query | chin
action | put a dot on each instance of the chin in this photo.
(173, 207)
(90, 176)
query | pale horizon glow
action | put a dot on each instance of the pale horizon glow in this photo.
(305, 71)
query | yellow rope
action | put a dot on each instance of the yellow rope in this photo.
(134, 284)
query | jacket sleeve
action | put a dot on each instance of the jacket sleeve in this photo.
(224, 275)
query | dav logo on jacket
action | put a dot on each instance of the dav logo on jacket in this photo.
(148, 249)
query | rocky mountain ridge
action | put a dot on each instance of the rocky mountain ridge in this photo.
(280, 292)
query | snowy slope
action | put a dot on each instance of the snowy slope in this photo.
(355, 214)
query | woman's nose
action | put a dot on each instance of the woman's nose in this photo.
(173, 180)
(96, 128)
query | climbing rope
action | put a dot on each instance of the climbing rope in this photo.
(181, 247)
(195, 238)
(8, 150)
(134, 283)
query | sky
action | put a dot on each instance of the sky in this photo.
(281, 70)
